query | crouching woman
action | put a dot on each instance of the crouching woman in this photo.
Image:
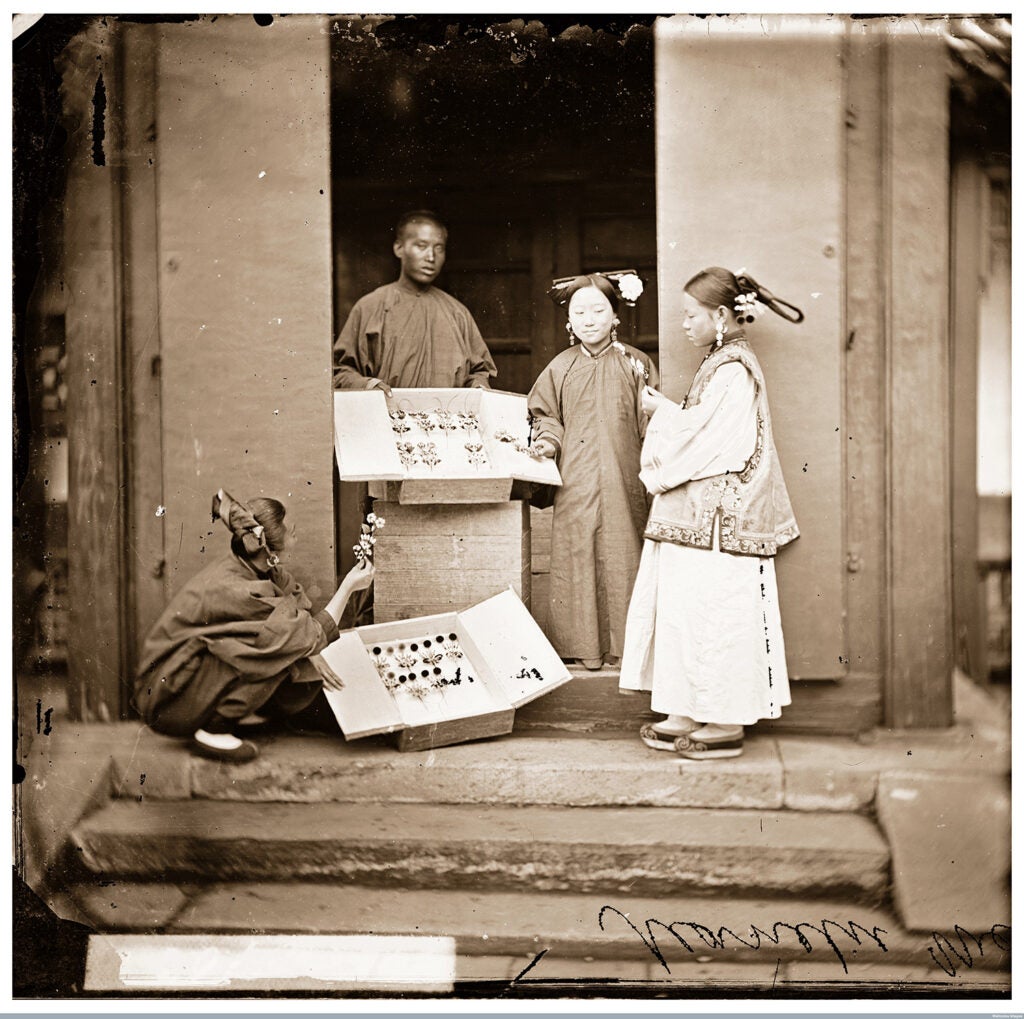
(235, 644)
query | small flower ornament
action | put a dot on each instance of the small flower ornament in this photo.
(428, 453)
(630, 287)
(639, 368)
(747, 307)
(407, 453)
(368, 538)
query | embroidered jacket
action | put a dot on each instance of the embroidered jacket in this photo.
(752, 504)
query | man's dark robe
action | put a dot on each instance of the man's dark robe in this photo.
(411, 338)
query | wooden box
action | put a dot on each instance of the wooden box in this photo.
(505, 662)
(366, 444)
(434, 559)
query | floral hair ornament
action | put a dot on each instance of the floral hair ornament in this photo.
(747, 307)
(752, 303)
(238, 519)
(627, 285)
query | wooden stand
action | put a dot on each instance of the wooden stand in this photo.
(444, 558)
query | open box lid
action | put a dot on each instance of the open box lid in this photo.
(507, 412)
(364, 443)
(498, 635)
(509, 640)
(363, 705)
(365, 446)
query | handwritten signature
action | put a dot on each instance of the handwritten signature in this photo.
(946, 953)
(710, 938)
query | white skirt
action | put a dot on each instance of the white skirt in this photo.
(704, 635)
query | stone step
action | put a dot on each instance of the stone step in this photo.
(565, 770)
(555, 768)
(591, 703)
(586, 849)
(586, 935)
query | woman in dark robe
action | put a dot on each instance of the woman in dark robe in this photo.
(236, 644)
(587, 413)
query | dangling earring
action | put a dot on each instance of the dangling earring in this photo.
(719, 331)
(572, 335)
(615, 326)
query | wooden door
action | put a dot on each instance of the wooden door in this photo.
(750, 174)
(505, 246)
(242, 156)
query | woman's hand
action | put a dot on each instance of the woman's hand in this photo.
(651, 400)
(543, 448)
(360, 577)
(331, 681)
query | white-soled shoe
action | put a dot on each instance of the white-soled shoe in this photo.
(663, 735)
(711, 742)
(223, 746)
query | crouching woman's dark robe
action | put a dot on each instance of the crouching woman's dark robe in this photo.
(231, 642)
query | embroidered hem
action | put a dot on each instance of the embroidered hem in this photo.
(728, 540)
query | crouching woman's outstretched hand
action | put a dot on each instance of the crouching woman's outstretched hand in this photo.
(359, 578)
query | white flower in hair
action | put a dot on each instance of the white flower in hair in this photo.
(630, 286)
(747, 307)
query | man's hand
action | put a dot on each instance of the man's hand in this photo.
(543, 448)
(379, 384)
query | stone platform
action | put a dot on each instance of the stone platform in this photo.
(514, 846)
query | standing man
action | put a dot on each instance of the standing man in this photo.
(409, 333)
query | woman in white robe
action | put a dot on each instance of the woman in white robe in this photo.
(703, 633)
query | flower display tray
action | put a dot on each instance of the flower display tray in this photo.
(469, 671)
(436, 445)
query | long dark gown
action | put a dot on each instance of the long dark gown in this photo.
(411, 338)
(590, 407)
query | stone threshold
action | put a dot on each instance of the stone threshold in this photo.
(775, 772)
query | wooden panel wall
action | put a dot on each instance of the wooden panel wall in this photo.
(750, 175)
(919, 688)
(864, 370)
(967, 246)
(143, 445)
(96, 583)
(243, 175)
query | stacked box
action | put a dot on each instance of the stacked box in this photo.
(441, 464)
(437, 445)
(438, 558)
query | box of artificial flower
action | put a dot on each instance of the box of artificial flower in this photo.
(437, 445)
(442, 679)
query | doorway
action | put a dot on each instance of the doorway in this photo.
(533, 141)
(980, 315)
